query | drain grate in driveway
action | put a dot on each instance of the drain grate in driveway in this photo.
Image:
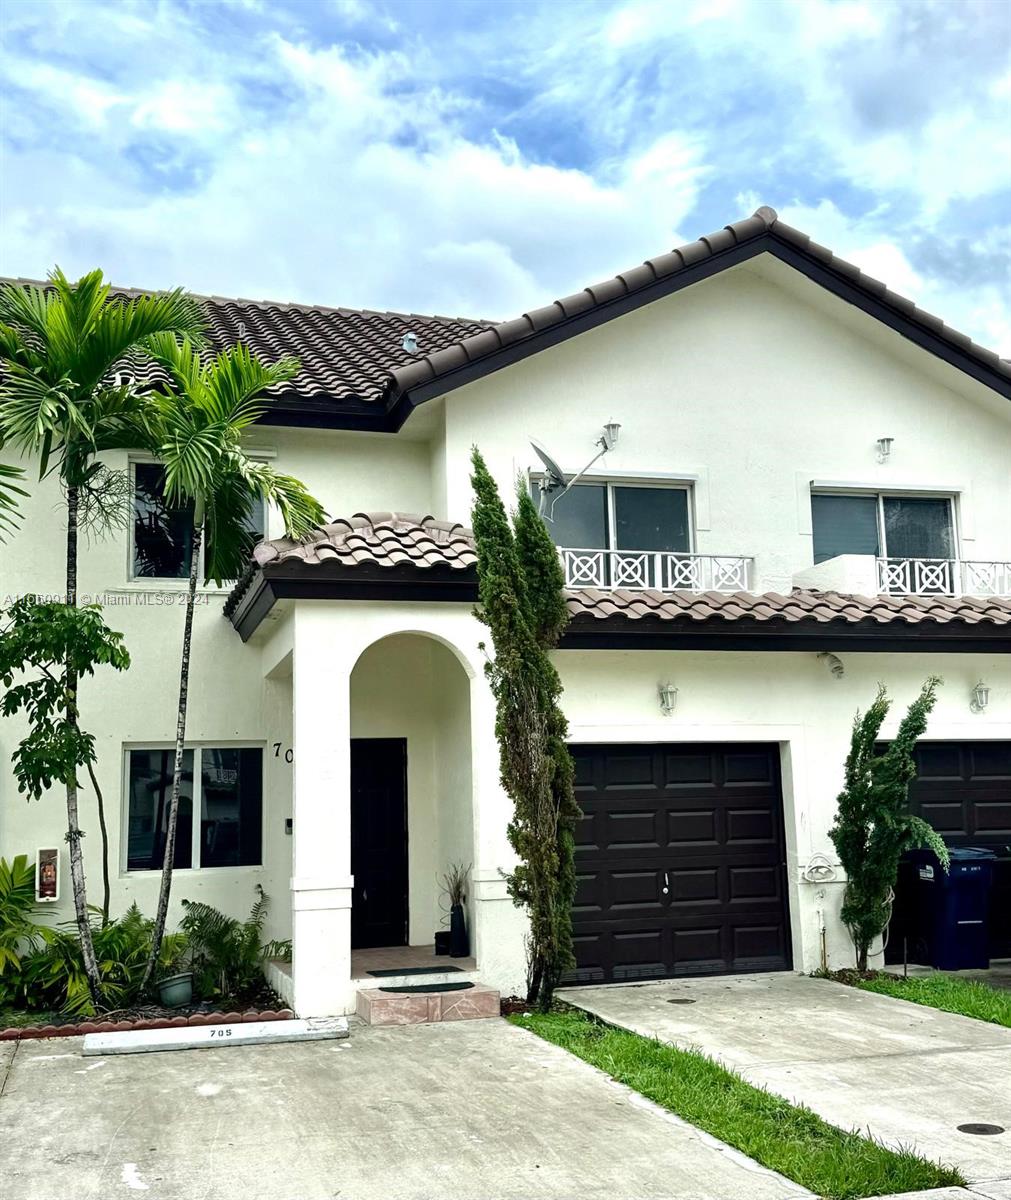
(982, 1129)
(680, 1000)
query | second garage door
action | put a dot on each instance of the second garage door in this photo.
(680, 862)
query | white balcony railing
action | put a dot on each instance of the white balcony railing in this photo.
(663, 571)
(943, 577)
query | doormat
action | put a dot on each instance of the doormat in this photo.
(429, 987)
(413, 971)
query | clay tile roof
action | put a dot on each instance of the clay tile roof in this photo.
(403, 540)
(764, 222)
(378, 539)
(345, 354)
(799, 605)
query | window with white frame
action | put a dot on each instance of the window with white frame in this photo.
(223, 785)
(622, 516)
(882, 524)
(163, 533)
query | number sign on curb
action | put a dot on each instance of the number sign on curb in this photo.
(204, 1037)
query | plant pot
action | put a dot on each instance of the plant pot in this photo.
(176, 990)
(459, 941)
(442, 941)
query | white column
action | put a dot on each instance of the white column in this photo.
(321, 852)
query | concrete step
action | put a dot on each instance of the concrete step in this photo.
(415, 980)
(376, 1007)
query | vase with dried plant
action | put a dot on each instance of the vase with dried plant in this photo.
(454, 888)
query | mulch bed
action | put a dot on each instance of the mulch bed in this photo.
(261, 1004)
(511, 1005)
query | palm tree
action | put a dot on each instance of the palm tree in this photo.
(60, 403)
(9, 491)
(206, 470)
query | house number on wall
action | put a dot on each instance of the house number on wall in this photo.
(289, 754)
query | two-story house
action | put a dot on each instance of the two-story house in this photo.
(806, 490)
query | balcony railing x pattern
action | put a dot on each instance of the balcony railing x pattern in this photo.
(664, 571)
(943, 577)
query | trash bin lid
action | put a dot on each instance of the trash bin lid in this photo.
(971, 854)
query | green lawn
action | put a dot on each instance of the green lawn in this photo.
(788, 1139)
(946, 992)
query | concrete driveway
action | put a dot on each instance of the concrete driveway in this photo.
(905, 1073)
(470, 1110)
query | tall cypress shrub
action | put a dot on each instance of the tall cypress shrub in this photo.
(873, 826)
(520, 586)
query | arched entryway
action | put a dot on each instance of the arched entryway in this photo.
(411, 796)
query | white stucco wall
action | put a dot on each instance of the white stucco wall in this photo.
(754, 390)
(752, 385)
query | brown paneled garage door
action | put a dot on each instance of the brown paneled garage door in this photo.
(680, 861)
(964, 790)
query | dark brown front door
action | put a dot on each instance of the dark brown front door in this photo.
(379, 842)
(680, 862)
(964, 790)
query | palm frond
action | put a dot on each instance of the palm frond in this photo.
(10, 516)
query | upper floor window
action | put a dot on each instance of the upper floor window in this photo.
(163, 533)
(882, 525)
(618, 516)
(227, 794)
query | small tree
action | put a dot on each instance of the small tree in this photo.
(203, 420)
(41, 645)
(522, 603)
(873, 826)
(62, 403)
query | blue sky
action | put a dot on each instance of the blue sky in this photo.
(463, 156)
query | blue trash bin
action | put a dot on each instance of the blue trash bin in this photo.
(953, 907)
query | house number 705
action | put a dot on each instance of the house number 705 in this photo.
(289, 754)
(225, 1032)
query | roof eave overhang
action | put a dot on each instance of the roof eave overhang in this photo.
(284, 581)
(834, 280)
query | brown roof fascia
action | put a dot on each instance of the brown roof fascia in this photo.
(473, 357)
(256, 594)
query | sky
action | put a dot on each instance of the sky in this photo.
(481, 157)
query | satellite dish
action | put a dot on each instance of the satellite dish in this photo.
(555, 477)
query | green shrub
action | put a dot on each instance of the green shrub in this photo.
(53, 975)
(225, 954)
(19, 934)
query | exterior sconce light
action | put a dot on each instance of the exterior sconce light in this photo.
(980, 697)
(610, 436)
(884, 449)
(668, 694)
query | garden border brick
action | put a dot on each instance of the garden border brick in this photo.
(16, 1033)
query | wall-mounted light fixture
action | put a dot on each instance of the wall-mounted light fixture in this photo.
(668, 694)
(884, 449)
(610, 437)
(980, 697)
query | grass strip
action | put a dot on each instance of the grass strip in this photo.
(784, 1137)
(966, 997)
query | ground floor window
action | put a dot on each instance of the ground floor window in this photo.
(224, 785)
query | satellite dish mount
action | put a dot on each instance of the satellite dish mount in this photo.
(553, 479)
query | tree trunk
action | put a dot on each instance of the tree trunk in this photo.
(177, 769)
(105, 845)
(74, 834)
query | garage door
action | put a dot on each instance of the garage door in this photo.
(680, 862)
(964, 790)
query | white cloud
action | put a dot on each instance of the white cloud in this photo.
(367, 194)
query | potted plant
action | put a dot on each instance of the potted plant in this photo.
(454, 885)
(176, 988)
(174, 991)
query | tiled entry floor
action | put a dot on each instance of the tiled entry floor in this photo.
(400, 958)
